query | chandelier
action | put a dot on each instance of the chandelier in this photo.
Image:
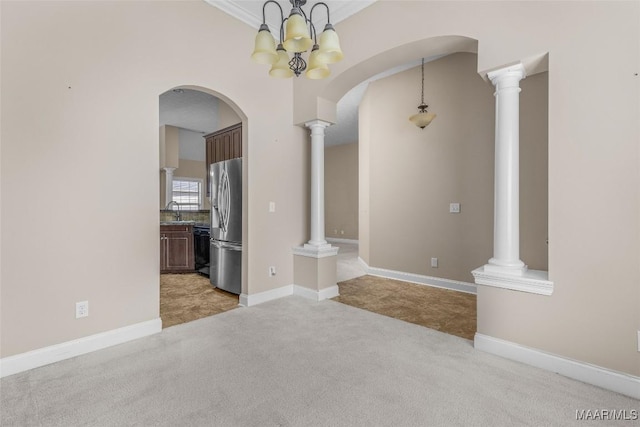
(297, 35)
(422, 118)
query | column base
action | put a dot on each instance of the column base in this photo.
(314, 269)
(316, 251)
(518, 268)
(531, 281)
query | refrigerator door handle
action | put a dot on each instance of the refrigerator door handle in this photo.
(223, 245)
(225, 201)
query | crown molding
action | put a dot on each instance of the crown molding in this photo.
(340, 10)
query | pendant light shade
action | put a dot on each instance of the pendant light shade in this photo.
(281, 68)
(330, 51)
(317, 68)
(297, 37)
(265, 47)
(423, 117)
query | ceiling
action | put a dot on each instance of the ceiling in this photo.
(250, 11)
(197, 111)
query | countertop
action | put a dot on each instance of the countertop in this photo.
(194, 223)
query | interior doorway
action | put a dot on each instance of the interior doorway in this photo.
(189, 120)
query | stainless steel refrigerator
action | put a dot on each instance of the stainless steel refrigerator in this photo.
(226, 225)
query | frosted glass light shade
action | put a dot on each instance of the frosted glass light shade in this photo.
(281, 68)
(297, 37)
(330, 51)
(316, 69)
(265, 48)
(422, 119)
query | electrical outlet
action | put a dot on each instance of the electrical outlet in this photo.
(272, 271)
(454, 207)
(342, 232)
(82, 309)
(434, 262)
(272, 207)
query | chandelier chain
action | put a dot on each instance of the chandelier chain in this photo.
(422, 98)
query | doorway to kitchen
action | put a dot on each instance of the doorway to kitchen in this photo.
(190, 120)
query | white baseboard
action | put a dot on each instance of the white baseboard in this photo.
(285, 291)
(66, 350)
(436, 282)
(619, 382)
(320, 295)
(336, 240)
(260, 297)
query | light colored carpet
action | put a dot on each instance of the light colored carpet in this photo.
(187, 297)
(294, 362)
(445, 310)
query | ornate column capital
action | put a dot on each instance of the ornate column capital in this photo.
(508, 77)
(317, 125)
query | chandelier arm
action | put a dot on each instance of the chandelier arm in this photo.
(264, 16)
(315, 40)
(323, 4)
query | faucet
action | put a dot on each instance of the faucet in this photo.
(173, 202)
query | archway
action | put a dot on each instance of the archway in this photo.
(194, 124)
(340, 85)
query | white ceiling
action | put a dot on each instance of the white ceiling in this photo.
(189, 109)
(197, 111)
(250, 11)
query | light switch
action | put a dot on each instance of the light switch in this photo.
(272, 206)
(454, 207)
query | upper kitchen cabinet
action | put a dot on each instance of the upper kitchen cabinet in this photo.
(222, 145)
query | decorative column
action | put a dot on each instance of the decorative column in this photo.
(315, 263)
(505, 269)
(317, 240)
(168, 185)
(506, 219)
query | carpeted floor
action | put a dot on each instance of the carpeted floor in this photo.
(187, 297)
(444, 310)
(297, 363)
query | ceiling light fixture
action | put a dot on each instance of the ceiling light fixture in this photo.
(296, 34)
(422, 118)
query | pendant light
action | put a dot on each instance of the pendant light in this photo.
(422, 118)
(297, 35)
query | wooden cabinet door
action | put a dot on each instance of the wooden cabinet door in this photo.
(176, 249)
(222, 145)
(179, 251)
(236, 143)
(163, 253)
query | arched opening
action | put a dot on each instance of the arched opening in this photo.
(408, 178)
(199, 127)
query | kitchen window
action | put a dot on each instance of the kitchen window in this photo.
(188, 193)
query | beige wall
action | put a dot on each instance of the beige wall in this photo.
(97, 70)
(594, 250)
(416, 173)
(114, 59)
(341, 191)
(226, 116)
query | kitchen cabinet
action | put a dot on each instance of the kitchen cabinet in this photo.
(222, 145)
(176, 249)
